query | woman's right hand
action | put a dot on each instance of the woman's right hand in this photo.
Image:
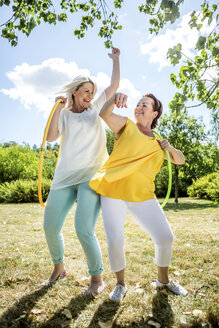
(121, 100)
(62, 104)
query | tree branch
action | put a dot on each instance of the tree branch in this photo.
(156, 12)
(103, 6)
(188, 58)
(214, 28)
(197, 64)
(214, 87)
(16, 13)
(8, 20)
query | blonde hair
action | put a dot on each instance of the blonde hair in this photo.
(74, 86)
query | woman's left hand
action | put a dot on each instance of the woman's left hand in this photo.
(121, 100)
(115, 53)
(165, 145)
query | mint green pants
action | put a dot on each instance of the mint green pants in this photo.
(58, 205)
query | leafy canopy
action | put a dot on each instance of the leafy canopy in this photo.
(26, 15)
(194, 81)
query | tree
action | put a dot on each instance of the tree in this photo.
(194, 79)
(188, 135)
(26, 15)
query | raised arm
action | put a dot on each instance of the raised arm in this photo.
(115, 78)
(115, 122)
(53, 132)
(176, 156)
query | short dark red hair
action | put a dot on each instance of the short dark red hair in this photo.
(157, 107)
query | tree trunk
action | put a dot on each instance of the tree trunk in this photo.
(176, 183)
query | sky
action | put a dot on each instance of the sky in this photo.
(52, 56)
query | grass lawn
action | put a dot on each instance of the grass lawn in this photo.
(25, 263)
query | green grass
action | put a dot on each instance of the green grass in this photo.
(25, 263)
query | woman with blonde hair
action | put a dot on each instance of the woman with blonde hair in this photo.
(83, 152)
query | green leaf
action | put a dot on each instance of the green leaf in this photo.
(5, 2)
(215, 51)
(201, 43)
(175, 54)
(199, 26)
(173, 78)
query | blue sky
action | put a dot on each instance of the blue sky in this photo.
(51, 56)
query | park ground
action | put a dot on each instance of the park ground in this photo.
(25, 263)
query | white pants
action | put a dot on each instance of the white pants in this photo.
(149, 215)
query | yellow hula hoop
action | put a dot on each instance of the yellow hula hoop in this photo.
(42, 153)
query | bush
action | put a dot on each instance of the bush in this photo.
(206, 187)
(18, 162)
(23, 191)
(21, 162)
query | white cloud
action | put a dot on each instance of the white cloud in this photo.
(126, 86)
(123, 18)
(35, 85)
(158, 46)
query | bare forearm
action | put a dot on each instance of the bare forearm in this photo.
(114, 121)
(115, 74)
(53, 132)
(115, 78)
(176, 156)
(107, 108)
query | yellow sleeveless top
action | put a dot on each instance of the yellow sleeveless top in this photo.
(130, 170)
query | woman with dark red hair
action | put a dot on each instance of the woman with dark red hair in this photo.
(126, 182)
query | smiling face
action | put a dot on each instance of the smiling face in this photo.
(145, 110)
(84, 95)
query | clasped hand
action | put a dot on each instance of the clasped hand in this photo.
(62, 98)
(121, 100)
(165, 145)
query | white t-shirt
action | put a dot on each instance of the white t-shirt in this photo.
(83, 148)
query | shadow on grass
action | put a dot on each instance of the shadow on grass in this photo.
(106, 311)
(193, 205)
(16, 316)
(75, 306)
(161, 309)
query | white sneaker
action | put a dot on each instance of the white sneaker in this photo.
(173, 287)
(118, 293)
